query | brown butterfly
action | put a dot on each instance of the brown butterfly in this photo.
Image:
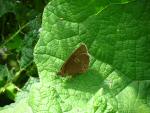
(77, 63)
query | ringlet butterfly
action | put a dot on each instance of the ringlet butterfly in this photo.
(77, 63)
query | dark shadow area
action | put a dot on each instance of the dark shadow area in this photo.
(4, 100)
(8, 25)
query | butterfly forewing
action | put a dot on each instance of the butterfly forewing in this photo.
(78, 62)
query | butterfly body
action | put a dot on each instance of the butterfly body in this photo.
(77, 63)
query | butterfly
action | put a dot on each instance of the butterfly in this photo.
(77, 63)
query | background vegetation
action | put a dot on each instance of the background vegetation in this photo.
(20, 21)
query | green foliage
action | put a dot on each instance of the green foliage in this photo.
(4, 75)
(15, 43)
(116, 33)
(21, 104)
(19, 27)
(30, 40)
(6, 6)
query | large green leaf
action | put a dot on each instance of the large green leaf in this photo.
(118, 40)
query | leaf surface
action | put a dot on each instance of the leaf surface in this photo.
(118, 40)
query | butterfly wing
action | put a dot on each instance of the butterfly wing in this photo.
(78, 62)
